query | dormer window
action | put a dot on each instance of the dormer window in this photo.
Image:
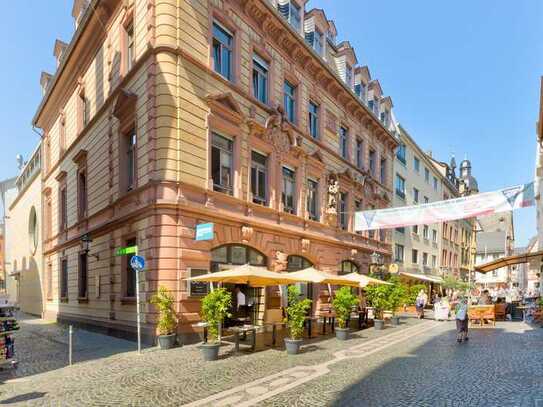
(331, 37)
(348, 75)
(385, 117)
(314, 39)
(292, 13)
(373, 104)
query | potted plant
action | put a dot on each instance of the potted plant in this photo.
(343, 304)
(396, 295)
(296, 312)
(167, 322)
(377, 296)
(215, 308)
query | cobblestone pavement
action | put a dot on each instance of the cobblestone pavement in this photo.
(417, 364)
(108, 372)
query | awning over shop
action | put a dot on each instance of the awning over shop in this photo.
(321, 277)
(362, 280)
(251, 275)
(422, 277)
(508, 261)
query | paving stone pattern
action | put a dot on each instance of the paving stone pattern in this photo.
(108, 372)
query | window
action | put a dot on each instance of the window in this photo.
(85, 105)
(82, 193)
(259, 177)
(289, 188)
(348, 267)
(416, 164)
(383, 168)
(426, 200)
(372, 162)
(49, 282)
(130, 274)
(291, 12)
(235, 254)
(360, 90)
(398, 253)
(222, 51)
(434, 261)
(312, 199)
(289, 102)
(415, 195)
(343, 216)
(296, 263)
(400, 186)
(426, 175)
(348, 75)
(434, 235)
(63, 209)
(198, 288)
(129, 46)
(343, 141)
(48, 223)
(425, 232)
(83, 276)
(425, 259)
(131, 172)
(414, 256)
(222, 163)
(314, 39)
(400, 153)
(415, 229)
(358, 208)
(435, 183)
(359, 153)
(401, 230)
(313, 120)
(62, 134)
(260, 79)
(64, 278)
(384, 117)
(374, 106)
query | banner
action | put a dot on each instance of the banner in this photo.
(486, 203)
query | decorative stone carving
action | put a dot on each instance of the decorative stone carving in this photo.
(354, 252)
(246, 233)
(331, 205)
(305, 245)
(281, 260)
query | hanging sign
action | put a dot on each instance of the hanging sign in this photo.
(483, 204)
(204, 231)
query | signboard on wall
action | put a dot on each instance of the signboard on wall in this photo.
(204, 231)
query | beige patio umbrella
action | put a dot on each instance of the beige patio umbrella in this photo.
(256, 276)
(362, 280)
(321, 277)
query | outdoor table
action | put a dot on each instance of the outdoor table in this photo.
(244, 329)
(361, 315)
(309, 321)
(203, 325)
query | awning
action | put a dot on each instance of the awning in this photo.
(321, 277)
(250, 275)
(422, 277)
(363, 281)
(507, 261)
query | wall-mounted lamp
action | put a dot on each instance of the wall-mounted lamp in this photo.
(86, 240)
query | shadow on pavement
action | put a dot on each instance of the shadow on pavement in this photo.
(23, 397)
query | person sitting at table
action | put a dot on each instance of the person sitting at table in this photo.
(485, 299)
(241, 304)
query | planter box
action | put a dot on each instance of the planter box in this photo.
(342, 333)
(293, 346)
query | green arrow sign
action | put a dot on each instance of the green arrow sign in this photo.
(123, 251)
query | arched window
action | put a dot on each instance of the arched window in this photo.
(347, 267)
(295, 263)
(236, 255)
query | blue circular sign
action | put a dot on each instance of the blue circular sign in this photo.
(137, 263)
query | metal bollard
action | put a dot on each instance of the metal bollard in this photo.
(70, 343)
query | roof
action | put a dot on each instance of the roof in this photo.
(491, 242)
(507, 261)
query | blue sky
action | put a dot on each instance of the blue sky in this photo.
(463, 76)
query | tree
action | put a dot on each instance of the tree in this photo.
(296, 312)
(343, 304)
(215, 308)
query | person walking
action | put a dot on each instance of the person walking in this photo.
(461, 311)
(420, 303)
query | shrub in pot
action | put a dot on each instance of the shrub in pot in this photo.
(296, 311)
(343, 304)
(215, 308)
(167, 322)
(396, 296)
(377, 296)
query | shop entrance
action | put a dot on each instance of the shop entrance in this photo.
(247, 302)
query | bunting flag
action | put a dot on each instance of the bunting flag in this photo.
(486, 203)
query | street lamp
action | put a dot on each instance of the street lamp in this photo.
(86, 240)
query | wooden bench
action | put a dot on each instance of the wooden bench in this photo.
(480, 314)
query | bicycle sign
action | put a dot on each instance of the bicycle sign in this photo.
(137, 263)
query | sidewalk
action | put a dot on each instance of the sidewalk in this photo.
(114, 374)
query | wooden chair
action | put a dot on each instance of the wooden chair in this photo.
(500, 311)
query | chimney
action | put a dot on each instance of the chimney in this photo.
(45, 78)
(78, 10)
(58, 51)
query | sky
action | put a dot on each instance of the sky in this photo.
(463, 75)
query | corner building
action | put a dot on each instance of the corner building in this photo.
(166, 114)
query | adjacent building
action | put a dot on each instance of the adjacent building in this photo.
(539, 175)
(438, 249)
(162, 115)
(23, 239)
